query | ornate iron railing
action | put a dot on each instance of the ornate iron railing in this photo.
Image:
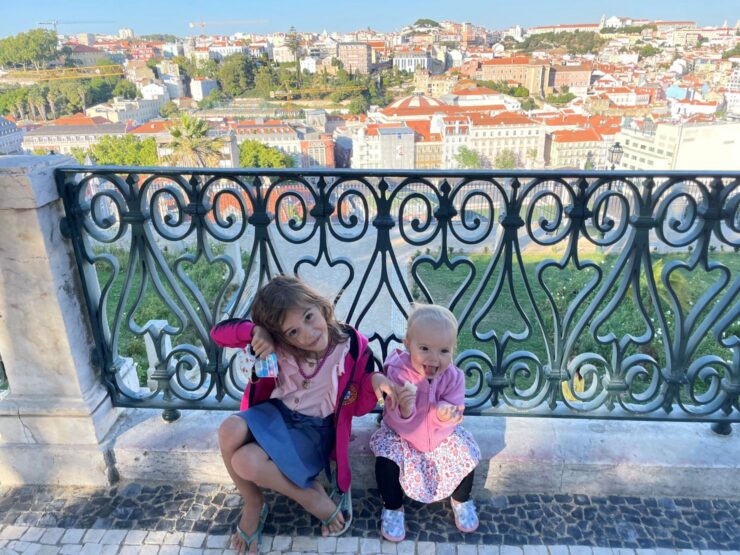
(581, 294)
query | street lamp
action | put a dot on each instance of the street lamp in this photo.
(615, 156)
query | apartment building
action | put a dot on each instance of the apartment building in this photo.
(427, 146)
(435, 85)
(680, 146)
(573, 148)
(520, 70)
(122, 110)
(411, 60)
(577, 78)
(489, 136)
(382, 146)
(61, 139)
(200, 87)
(11, 138)
(732, 96)
(355, 57)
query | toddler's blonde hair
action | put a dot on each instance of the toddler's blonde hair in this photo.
(431, 313)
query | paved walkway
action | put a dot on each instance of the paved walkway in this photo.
(197, 520)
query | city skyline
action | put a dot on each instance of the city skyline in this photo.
(168, 16)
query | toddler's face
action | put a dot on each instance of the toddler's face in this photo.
(430, 345)
(305, 328)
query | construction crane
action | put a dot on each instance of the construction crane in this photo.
(290, 94)
(203, 24)
(85, 72)
(54, 22)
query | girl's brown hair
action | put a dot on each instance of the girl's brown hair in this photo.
(284, 293)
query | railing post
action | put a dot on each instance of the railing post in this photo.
(56, 414)
(722, 428)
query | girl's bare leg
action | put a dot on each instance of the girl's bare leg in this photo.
(233, 434)
(251, 463)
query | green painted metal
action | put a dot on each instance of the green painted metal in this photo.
(631, 314)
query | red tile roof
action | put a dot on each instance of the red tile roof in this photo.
(79, 119)
(576, 136)
(152, 127)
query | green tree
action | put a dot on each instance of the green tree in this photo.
(468, 159)
(293, 42)
(529, 104)
(264, 81)
(124, 151)
(211, 100)
(169, 110)
(559, 98)
(506, 160)
(426, 23)
(253, 154)
(732, 53)
(648, 51)
(36, 47)
(186, 65)
(125, 89)
(79, 154)
(358, 105)
(191, 145)
(208, 69)
(236, 74)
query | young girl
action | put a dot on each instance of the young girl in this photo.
(290, 426)
(420, 448)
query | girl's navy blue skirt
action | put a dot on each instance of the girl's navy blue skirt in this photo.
(298, 444)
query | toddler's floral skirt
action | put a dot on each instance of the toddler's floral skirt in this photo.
(430, 476)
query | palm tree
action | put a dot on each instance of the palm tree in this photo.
(191, 145)
(52, 96)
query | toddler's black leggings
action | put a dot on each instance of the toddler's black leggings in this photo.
(387, 475)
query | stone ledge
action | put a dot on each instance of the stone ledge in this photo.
(520, 455)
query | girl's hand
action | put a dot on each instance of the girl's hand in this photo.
(262, 342)
(406, 401)
(381, 385)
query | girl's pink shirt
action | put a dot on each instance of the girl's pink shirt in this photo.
(422, 429)
(320, 398)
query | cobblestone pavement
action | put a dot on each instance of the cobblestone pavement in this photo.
(193, 520)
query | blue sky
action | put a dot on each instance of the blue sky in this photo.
(172, 16)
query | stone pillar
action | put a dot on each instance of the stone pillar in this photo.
(55, 416)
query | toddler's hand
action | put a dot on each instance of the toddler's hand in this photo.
(262, 342)
(406, 400)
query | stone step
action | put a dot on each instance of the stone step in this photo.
(519, 455)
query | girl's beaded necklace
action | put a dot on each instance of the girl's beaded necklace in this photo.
(306, 377)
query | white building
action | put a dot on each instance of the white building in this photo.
(121, 110)
(686, 108)
(380, 146)
(61, 139)
(172, 49)
(125, 33)
(308, 64)
(282, 54)
(200, 87)
(175, 85)
(10, 137)
(732, 96)
(411, 60)
(670, 146)
(153, 91)
(219, 52)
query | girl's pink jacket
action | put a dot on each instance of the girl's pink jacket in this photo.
(355, 396)
(422, 429)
